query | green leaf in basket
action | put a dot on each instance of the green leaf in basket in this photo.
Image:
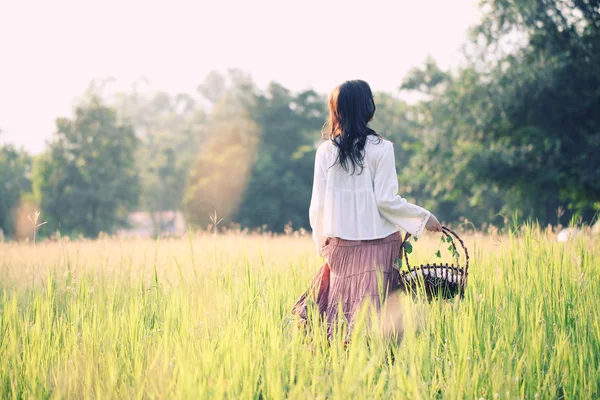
(408, 247)
(438, 254)
(398, 262)
(451, 248)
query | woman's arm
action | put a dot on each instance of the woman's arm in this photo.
(317, 201)
(396, 209)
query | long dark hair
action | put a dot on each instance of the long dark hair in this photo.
(351, 107)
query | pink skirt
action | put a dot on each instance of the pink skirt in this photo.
(354, 271)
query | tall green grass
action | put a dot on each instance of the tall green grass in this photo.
(207, 317)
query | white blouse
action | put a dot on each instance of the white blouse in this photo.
(360, 206)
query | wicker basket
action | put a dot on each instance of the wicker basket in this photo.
(438, 281)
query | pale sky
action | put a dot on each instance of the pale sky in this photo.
(51, 50)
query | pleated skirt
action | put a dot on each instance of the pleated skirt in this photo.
(355, 272)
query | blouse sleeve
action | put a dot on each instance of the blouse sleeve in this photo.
(317, 202)
(396, 209)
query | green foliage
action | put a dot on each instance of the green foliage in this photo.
(545, 121)
(15, 169)
(518, 129)
(280, 184)
(440, 172)
(169, 129)
(396, 121)
(221, 169)
(408, 247)
(87, 181)
(220, 174)
(427, 79)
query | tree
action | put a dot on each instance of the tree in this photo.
(169, 128)
(256, 166)
(395, 121)
(220, 173)
(516, 129)
(440, 173)
(15, 169)
(543, 127)
(87, 181)
(214, 87)
(280, 185)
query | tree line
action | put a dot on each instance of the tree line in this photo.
(514, 131)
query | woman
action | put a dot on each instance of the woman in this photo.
(355, 211)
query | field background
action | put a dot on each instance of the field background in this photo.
(208, 317)
(112, 130)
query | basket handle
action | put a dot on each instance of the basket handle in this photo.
(446, 231)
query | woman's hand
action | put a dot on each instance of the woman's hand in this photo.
(433, 225)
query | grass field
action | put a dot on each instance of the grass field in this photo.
(207, 317)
